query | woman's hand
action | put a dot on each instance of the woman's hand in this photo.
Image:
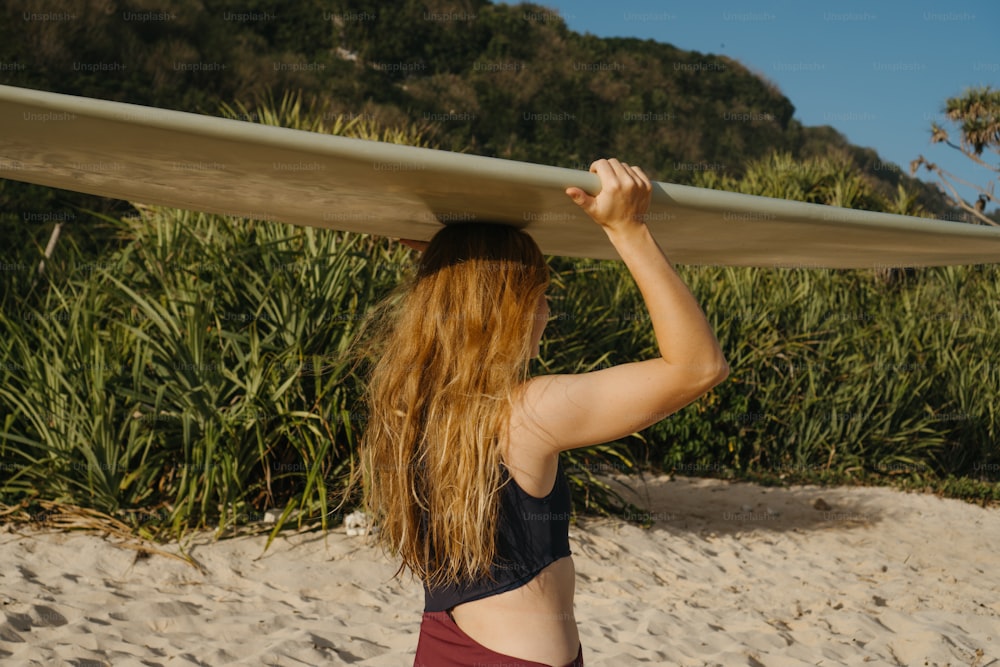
(623, 199)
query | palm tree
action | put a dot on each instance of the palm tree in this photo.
(977, 114)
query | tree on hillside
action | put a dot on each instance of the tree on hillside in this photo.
(977, 113)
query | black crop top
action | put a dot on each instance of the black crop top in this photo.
(532, 533)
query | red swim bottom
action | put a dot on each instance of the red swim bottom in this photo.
(443, 644)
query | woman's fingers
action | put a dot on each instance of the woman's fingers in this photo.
(623, 198)
(624, 194)
(580, 197)
(643, 177)
(622, 175)
(612, 171)
(604, 169)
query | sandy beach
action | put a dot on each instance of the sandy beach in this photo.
(729, 574)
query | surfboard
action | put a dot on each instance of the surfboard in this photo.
(233, 167)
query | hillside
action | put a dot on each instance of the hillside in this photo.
(499, 80)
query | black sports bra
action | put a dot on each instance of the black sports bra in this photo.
(532, 533)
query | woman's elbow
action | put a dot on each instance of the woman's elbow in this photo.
(717, 372)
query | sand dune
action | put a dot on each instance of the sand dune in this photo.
(729, 574)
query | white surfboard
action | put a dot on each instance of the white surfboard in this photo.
(217, 165)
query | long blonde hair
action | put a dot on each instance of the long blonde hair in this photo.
(451, 347)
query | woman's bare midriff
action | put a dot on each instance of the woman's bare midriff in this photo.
(533, 622)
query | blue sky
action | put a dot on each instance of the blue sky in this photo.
(878, 71)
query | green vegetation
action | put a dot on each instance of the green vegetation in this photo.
(170, 370)
(195, 374)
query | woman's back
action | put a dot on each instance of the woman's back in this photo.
(535, 621)
(534, 624)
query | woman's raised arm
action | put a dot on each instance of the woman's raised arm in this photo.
(559, 412)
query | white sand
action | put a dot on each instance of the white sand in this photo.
(881, 578)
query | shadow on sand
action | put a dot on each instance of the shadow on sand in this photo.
(720, 507)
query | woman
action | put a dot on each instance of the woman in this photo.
(462, 448)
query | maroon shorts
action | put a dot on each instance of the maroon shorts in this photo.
(443, 644)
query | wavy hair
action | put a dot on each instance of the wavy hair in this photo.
(449, 349)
